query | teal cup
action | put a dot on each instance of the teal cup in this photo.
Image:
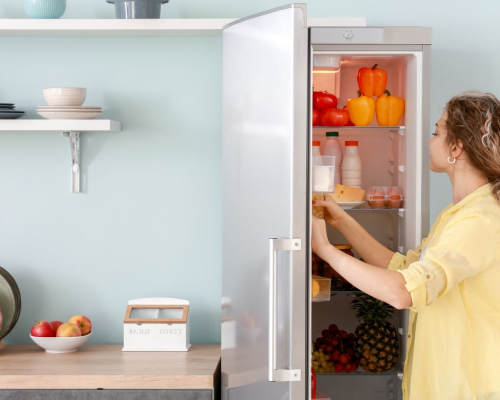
(45, 9)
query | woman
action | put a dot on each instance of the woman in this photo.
(451, 282)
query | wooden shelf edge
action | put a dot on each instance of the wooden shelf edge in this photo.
(106, 382)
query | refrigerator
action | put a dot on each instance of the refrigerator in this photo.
(271, 61)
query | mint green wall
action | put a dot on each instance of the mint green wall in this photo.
(149, 222)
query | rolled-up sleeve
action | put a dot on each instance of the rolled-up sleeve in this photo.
(399, 261)
(466, 247)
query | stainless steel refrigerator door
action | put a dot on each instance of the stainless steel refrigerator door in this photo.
(265, 201)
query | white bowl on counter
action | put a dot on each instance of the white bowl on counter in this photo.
(60, 344)
(65, 96)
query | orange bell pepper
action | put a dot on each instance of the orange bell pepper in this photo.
(361, 110)
(372, 81)
(389, 109)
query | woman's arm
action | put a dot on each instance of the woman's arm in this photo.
(366, 245)
(368, 248)
(385, 285)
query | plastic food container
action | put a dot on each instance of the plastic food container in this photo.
(137, 9)
(320, 288)
(394, 197)
(384, 197)
(323, 174)
(376, 197)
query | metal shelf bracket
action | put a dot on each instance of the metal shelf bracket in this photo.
(74, 144)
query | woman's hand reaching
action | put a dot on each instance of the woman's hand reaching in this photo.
(320, 241)
(333, 212)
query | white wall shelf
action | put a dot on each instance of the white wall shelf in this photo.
(135, 27)
(59, 125)
(71, 129)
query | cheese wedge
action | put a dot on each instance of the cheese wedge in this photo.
(347, 194)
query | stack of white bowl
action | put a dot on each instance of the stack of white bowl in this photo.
(67, 103)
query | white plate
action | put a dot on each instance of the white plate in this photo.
(60, 344)
(350, 204)
(69, 114)
(64, 108)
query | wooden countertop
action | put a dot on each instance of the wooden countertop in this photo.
(107, 367)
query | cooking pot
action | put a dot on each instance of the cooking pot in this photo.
(137, 9)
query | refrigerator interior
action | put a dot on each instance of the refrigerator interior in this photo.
(390, 157)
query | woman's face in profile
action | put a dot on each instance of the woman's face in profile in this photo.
(439, 149)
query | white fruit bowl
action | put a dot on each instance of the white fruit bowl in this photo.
(60, 344)
(65, 96)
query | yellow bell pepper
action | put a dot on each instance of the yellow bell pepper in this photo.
(390, 109)
(361, 110)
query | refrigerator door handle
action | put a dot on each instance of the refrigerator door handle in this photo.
(275, 245)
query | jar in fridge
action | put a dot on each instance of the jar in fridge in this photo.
(351, 165)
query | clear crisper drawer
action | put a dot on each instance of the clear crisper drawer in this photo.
(321, 288)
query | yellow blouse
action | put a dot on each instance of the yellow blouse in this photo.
(453, 277)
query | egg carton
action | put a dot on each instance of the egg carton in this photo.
(384, 197)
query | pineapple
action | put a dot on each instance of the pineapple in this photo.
(377, 344)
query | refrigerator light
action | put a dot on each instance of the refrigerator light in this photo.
(321, 71)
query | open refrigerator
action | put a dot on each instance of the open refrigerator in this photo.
(271, 61)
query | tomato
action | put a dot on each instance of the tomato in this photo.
(334, 117)
(322, 100)
(316, 121)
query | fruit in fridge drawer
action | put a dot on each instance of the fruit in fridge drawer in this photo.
(315, 288)
(82, 322)
(68, 330)
(56, 324)
(334, 117)
(372, 81)
(389, 109)
(378, 345)
(43, 329)
(361, 110)
(322, 100)
(315, 117)
(333, 329)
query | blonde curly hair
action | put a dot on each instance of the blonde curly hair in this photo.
(473, 118)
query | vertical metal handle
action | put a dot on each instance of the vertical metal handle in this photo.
(275, 245)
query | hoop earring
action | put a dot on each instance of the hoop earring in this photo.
(452, 162)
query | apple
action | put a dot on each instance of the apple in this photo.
(56, 324)
(68, 330)
(82, 322)
(43, 329)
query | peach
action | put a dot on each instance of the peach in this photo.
(82, 322)
(68, 330)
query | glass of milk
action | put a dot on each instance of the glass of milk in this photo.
(323, 174)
